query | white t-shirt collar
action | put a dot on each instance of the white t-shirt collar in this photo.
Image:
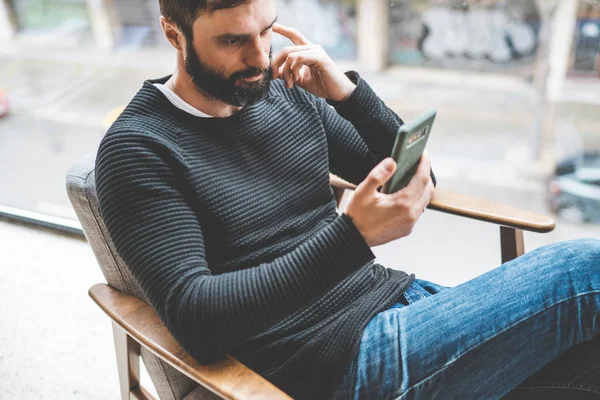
(179, 103)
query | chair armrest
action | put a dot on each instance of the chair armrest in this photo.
(228, 378)
(489, 211)
(479, 209)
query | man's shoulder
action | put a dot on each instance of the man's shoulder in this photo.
(142, 107)
(145, 118)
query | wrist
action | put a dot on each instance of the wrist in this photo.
(347, 87)
(358, 229)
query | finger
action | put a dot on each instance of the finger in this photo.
(287, 73)
(378, 176)
(422, 175)
(296, 67)
(301, 59)
(293, 34)
(278, 61)
(282, 56)
(415, 187)
(295, 62)
(426, 197)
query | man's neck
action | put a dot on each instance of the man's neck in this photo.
(181, 84)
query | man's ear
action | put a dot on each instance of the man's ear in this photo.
(172, 33)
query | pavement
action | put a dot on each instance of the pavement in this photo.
(55, 343)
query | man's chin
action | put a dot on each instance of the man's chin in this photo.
(254, 89)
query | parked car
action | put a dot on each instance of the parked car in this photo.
(574, 189)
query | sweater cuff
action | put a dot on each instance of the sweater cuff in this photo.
(354, 78)
(348, 246)
(360, 101)
(358, 238)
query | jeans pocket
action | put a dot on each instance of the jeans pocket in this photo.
(415, 293)
(430, 287)
(421, 289)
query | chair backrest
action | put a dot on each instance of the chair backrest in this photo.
(169, 383)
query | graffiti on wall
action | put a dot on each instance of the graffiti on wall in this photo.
(444, 35)
(477, 34)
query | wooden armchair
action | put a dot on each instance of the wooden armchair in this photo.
(139, 332)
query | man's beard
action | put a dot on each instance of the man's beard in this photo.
(215, 85)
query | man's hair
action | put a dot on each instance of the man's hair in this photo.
(185, 12)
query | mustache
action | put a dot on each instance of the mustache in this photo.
(251, 73)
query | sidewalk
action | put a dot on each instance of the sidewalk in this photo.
(55, 342)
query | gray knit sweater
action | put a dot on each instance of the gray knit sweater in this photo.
(230, 227)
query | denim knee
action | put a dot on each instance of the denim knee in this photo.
(584, 256)
(587, 250)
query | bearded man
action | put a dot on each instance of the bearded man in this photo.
(214, 186)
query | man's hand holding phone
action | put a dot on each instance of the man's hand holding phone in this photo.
(380, 217)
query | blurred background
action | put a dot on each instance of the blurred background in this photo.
(516, 85)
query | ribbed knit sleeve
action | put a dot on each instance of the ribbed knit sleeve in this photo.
(365, 134)
(150, 216)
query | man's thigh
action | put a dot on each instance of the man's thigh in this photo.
(482, 338)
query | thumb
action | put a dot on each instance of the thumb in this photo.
(378, 175)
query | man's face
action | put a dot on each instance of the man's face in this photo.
(230, 56)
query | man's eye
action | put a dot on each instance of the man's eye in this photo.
(231, 42)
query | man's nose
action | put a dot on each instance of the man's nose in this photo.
(257, 55)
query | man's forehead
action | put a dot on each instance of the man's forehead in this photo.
(247, 18)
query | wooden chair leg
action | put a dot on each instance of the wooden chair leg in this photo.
(128, 365)
(511, 242)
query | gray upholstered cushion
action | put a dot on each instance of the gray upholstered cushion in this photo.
(170, 384)
(81, 188)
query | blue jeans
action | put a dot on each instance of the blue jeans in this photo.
(528, 329)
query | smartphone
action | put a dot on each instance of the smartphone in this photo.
(408, 149)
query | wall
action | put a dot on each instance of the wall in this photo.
(495, 36)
